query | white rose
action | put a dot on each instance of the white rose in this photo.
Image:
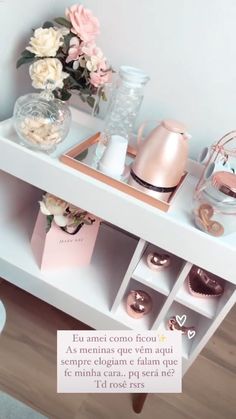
(95, 58)
(47, 70)
(46, 42)
(93, 63)
(51, 205)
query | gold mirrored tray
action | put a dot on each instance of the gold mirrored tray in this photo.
(81, 157)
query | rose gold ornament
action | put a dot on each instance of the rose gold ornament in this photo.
(138, 304)
(157, 261)
(205, 223)
(201, 284)
(173, 324)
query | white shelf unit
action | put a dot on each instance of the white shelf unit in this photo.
(204, 314)
(96, 294)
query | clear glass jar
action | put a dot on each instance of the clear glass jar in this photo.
(41, 121)
(124, 104)
(215, 205)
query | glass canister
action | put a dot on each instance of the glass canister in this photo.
(215, 205)
(41, 121)
(124, 104)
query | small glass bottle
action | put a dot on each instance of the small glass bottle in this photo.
(125, 101)
(215, 205)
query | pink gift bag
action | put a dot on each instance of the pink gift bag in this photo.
(56, 248)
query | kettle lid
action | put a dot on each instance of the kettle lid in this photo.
(174, 126)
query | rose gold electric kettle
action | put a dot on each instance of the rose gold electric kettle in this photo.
(161, 160)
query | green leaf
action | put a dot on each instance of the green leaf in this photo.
(104, 96)
(82, 155)
(82, 97)
(27, 54)
(60, 55)
(67, 39)
(91, 101)
(48, 24)
(24, 60)
(49, 222)
(65, 95)
(96, 109)
(62, 21)
(69, 69)
(73, 83)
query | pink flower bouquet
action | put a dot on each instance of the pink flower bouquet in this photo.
(67, 57)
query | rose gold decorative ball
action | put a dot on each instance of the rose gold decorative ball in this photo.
(138, 304)
(157, 261)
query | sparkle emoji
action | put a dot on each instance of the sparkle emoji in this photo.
(162, 338)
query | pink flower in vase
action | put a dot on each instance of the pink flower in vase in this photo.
(75, 49)
(94, 57)
(84, 24)
(100, 77)
(89, 48)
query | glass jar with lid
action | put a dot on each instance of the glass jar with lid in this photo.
(215, 205)
(40, 120)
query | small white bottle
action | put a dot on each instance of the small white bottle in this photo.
(112, 161)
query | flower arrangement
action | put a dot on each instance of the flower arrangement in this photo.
(67, 56)
(67, 216)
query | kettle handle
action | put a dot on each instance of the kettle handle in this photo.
(141, 128)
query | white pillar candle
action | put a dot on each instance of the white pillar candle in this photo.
(113, 160)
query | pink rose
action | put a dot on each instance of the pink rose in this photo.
(89, 48)
(84, 24)
(75, 50)
(98, 78)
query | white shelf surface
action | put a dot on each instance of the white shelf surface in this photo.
(86, 293)
(161, 281)
(173, 231)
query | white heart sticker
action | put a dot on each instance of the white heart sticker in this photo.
(181, 319)
(191, 334)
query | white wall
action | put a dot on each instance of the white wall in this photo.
(188, 47)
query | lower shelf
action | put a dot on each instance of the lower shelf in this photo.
(86, 293)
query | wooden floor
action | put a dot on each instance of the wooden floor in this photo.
(28, 370)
